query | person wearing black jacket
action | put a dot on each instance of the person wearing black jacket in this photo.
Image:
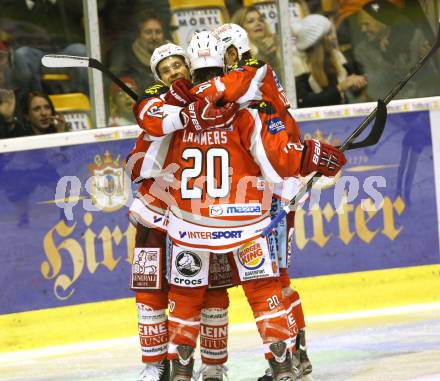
(39, 116)
(133, 59)
(10, 126)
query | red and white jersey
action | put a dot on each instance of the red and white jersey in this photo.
(154, 116)
(149, 207)
(253, 80)
(148, 158)
(148, 113)
(222, 199)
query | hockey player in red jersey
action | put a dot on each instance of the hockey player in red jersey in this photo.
(148, 213)
(207, 218)
(210, 87)
(148, 270)
(256, 80)
(237, 51)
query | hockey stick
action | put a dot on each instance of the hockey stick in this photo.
(349, 142)
(59, 60)
(376, 131)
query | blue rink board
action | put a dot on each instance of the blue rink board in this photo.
(48, 262)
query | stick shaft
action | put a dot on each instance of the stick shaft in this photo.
(59, 60)
(392, 93)
(98, 65)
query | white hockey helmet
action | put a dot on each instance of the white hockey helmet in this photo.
(205, 50)
(165, 51)
(233, 35)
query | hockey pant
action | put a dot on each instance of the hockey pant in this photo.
(284, 239)
(152, 304)
(152, 318)
(264, 297)
(195, 311)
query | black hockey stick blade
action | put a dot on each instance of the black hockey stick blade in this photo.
(377, 129)
(392, 93)
(60, 60)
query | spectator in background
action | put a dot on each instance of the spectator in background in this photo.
(322, 76)
(121, 104)
(5, 70)
(9, 124)
(40, 116)
(377, 60)
(263, 42)
(10, 127)
(42, 27)
(134, 59)
(392, 35)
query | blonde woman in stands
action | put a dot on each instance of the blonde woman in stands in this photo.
(322, 75)
(263, 42)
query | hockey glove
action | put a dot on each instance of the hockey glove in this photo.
(205, 114)
(179, 93)
(321, 157)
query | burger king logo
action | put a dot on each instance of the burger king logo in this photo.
(251, 255)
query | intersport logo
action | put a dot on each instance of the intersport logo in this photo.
(226, 234)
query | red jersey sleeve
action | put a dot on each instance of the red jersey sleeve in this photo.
(233, 84)
(252, 81)
(269, 143)
(292, 126)
(156, 117)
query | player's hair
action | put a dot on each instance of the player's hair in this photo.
(205, 74)
(247, 55)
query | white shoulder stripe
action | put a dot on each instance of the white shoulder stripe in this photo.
(258, 152)
(155, 157)
(143, 111)
(171, 119)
